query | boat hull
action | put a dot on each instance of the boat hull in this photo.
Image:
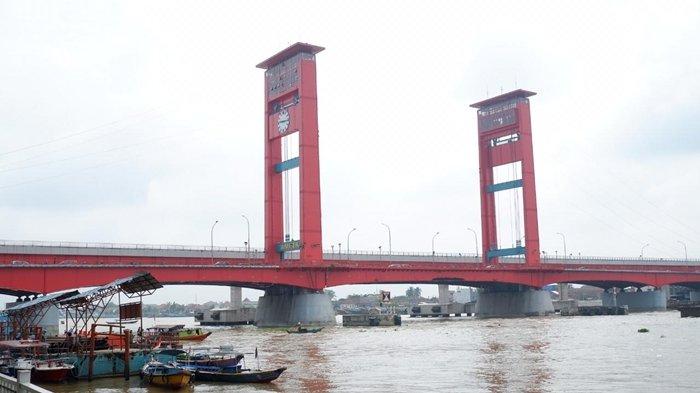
(239, 377)
(173, 381)
(51, 374)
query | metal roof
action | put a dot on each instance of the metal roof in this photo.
(138, 283)
(520, 93)
(40, 301)
(289, 52)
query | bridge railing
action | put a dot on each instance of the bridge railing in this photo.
(122, 246)
(163, 250)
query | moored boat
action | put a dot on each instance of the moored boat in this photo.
(165, 375)
(237, 375)
(52, 371)
(178, 333)
(301, 330)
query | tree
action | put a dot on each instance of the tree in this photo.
(413, 293)
(330, 293)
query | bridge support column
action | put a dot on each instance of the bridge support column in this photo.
(637, 301)
(287, 306)
(503, 301)
(236, 298)
(444, 294)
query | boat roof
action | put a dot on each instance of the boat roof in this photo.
(22, 344)
(166, 327)
(41, 301)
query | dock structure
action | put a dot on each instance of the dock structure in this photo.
(689, 310)
(433, 310)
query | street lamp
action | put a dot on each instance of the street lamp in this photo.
(563, 238)
(476, 242)
(641, 255)
(247, 248)
(211, 235)
(349, 233)
(433, 241)
(685, 249)
(388, 229)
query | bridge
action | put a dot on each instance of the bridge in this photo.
(293, 268)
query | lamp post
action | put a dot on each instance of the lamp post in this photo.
(433, 242)
(563, 238)
(247, 248)
(388, 229)
(685, 249)
(476, 242)
(349, 233)
(211, 235)
(641, 254)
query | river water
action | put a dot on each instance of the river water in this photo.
(549, 354)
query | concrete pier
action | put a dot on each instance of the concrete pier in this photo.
(444, 294)
(287, 306)
(502, 301)
(236, 298)
(638, 301)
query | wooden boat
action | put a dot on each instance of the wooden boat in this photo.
(242, 376)
(165, 375)
(301, 330)
(52, 371)
(214, 360)
(178, 333)
(195, 334)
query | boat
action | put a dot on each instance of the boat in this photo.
(208, 359)
(178, 333)
(235, 374)
(301, 330)
(165, 375)
(52, 371)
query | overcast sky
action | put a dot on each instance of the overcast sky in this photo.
(143, 122)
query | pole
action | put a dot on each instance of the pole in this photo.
(476, 242)
(211, 235)
(247, 248)
(433, 242)
(563, 238)
(685, 249)
(349, 233)
(641, 255)
(389, 230)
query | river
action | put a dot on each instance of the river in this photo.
(549, 354)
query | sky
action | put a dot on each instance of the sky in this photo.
(143, 122)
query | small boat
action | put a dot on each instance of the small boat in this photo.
(196, 334)
(178, 333)
(300, 330)
(52, 371)
(165, 375)
(239, 376)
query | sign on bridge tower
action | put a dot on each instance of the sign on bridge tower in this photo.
(291, 115)
(505, 146)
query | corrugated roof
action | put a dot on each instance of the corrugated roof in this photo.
(50, 298)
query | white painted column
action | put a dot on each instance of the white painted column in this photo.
(236, 298)
(444, 294)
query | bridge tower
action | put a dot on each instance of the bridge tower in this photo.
(291, 125)
(291, 108)
(505, 137)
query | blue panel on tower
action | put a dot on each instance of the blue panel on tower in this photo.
(503, 252)
(505, 185)
(287, 165)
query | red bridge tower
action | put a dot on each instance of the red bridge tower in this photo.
(505, 137)
(290, 107)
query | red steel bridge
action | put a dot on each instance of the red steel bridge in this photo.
(505, 138)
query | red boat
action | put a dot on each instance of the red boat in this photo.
(51, 371)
